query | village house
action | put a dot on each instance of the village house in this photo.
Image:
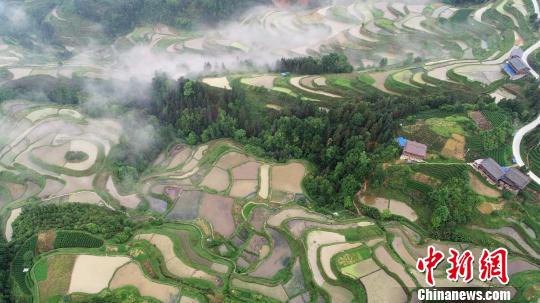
(490, 169)
(510, 178)
(515, 66)
(515, 179)
(414, 151)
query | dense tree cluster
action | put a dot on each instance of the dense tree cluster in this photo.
(332, 63)
(345, 143)
(73, 216)
(5, 260)
(454, 204)
(525, 108)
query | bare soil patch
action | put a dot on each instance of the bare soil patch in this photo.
(404, 254)
(52, 186)
(482, 189)
(314, 240)
(243, 188)
(91, 274)
(384, 257)
(249, 170)
(288, 178)
(232, 159)
(132, 275)
(221, 82)
(15, 190)
(217, 179)
(45, 241)
(53, 155)
(420, 177)
(297, 227)
(289, 213)
(481, 121)
(261, 81)
(89, 197)
(393, 291)
(181, 154)
(454, 147)
(402, 209)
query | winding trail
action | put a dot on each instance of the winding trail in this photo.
(516, 144)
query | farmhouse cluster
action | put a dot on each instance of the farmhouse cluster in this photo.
(507, 178)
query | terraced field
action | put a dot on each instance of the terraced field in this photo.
(226, 223)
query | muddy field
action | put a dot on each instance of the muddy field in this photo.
(231, 160)
(132, 275)
(393, 266)
(186, 206)
(246, 171)
(281, 254)
(393, 291)
(296, 212)
(218, 211)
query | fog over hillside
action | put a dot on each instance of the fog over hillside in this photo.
(259, 37)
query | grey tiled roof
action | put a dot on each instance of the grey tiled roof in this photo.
(518, 64)
(416, 148)
(493, 168)
(516, 52)
(517, 178)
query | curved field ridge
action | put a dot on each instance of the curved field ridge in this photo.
(314, 240)
(327, 252)
(174, 264)
(132, 275)
(91, 274)
(131, 201)
(295, 81)
(294, 212)
(275, 292)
